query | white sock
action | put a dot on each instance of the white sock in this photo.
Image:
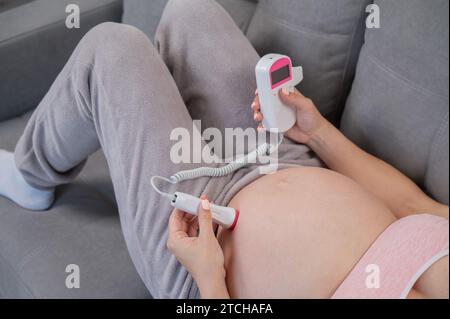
(14, 186)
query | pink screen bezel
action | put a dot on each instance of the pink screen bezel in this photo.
(279, 64)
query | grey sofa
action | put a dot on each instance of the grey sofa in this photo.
(386, 88)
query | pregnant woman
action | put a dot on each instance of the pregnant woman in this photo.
(358, 229)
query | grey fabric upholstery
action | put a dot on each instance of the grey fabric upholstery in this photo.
(144, 14)
(398, 107)
(9, 4)
(82, 227)
(36, 44)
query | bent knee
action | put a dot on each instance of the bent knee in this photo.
(116, 32)
(115, 40)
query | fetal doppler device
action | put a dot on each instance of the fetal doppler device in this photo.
(273, 72)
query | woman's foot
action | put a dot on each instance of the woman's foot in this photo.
(14, 186)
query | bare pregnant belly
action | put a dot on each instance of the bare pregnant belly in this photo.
(299, 234)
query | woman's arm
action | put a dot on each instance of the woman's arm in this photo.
(193, 242)
(396, 190)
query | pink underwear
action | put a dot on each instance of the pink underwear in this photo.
(399, 256)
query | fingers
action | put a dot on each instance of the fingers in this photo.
(193, 228)
(255, 104)
(257, 115)
(294, 99)
(176, 229)
(205, 220)
(176, 221)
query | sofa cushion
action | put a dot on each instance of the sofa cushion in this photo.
(9, 4)
(81, 228)
(35, 44)
(143, 14)
(398, 106)
(146, 15)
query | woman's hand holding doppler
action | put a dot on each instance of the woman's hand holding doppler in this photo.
(309, 120)
(194, 244)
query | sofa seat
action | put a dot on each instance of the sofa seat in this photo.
(82, 228)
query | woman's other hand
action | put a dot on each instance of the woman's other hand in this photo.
(309, 120)
(194, 244)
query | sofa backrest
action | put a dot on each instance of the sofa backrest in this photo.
(35, 44)
(399, 104)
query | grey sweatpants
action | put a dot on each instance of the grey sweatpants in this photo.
(120, 93)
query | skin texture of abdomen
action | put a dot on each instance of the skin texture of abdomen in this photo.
(299, 234)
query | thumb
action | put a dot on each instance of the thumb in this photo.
(294, 99)
(205, 219)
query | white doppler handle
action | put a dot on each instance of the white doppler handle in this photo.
(278, 118)
(224, 216)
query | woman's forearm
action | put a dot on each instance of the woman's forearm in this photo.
(397, 191)
(216, 289)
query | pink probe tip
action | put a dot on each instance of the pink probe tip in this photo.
(236, 217)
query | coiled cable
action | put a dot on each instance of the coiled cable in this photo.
(264, 149)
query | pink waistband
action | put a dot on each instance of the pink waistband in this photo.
(399, 256)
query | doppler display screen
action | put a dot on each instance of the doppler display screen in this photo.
(280, 74)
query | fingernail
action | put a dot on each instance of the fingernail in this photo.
(285, 91)
(204, 197)
(256, 91)
(255, 116)
(253, 106)
(205, 204)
